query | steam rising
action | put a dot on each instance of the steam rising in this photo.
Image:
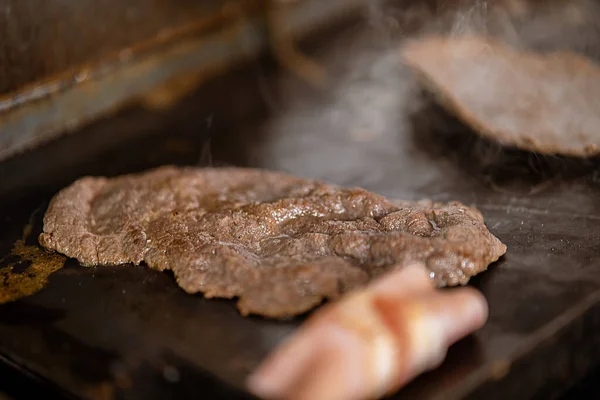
(206, 159)
(372, 98)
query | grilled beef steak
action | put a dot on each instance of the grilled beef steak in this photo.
(546, 103)
(279, 243)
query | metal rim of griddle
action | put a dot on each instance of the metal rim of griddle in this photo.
(209, 46)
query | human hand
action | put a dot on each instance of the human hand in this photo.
(371, 342)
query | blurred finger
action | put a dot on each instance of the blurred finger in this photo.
(408, 280)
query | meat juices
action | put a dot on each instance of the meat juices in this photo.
(546, 103)
(278, 243)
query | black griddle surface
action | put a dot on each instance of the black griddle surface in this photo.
(130, 332)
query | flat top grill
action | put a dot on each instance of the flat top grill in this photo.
(130, 332)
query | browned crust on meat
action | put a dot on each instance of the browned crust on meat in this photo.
(545, 103)
(278, 243)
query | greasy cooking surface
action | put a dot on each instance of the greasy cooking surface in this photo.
(546, 103)
(278, 243)
(149, 339)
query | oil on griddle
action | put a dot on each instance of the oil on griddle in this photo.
(27, 267)
(280, 244)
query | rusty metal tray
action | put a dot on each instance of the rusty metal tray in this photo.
(130, 332)
(65, 65)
